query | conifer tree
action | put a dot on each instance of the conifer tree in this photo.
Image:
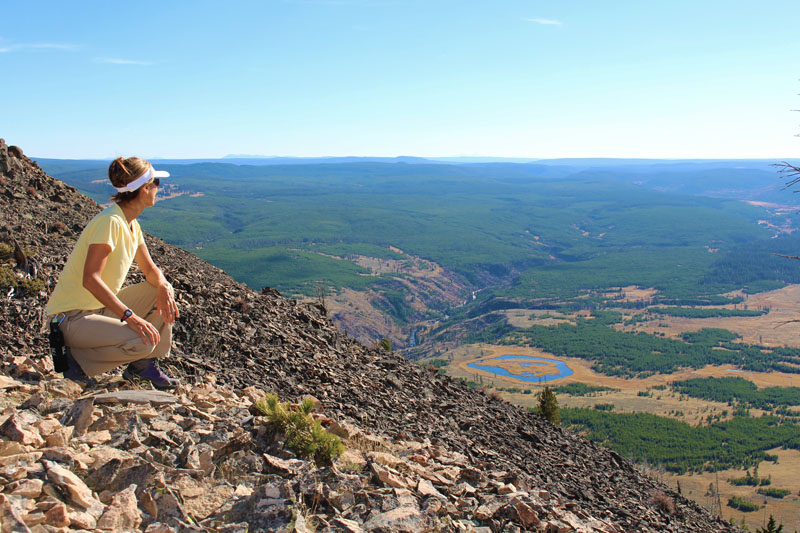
(772, 527)
(548, 406)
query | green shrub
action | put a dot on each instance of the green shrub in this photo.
(742, 504)
(29, 286)
(304, 435)
(774, 493)
(604, 406)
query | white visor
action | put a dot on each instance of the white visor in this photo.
(144, 178)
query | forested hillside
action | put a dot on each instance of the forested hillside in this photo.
(528, 233)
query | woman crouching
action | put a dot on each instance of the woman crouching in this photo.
(103, 326)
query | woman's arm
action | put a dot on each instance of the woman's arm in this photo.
(165, 301)
(96, 258)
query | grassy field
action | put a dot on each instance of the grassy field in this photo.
(783, 475)
(653, 394)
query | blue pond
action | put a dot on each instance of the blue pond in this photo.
(527, 361)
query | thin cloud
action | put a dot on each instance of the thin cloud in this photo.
(38, 46)
(356, 3)
(120, 61)
(546, 22)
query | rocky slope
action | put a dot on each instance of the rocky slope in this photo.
(455, 459)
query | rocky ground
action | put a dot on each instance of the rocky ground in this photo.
(424, 452)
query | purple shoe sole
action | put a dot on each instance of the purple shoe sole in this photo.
(153, 374)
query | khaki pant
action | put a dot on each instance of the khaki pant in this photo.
(100, 342)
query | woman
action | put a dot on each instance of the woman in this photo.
(104, 326)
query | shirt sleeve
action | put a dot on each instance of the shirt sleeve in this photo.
(139, 235)
(103, 232)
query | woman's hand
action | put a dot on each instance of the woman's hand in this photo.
(165, 303)
(145, 329)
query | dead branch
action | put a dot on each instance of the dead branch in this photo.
(790, 172)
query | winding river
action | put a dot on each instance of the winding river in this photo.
(523, 367)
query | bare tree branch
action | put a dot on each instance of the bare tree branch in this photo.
(787, 256)
(789, 172)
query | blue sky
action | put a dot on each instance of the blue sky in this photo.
(509, 78)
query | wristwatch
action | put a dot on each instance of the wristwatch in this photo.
(126, 315)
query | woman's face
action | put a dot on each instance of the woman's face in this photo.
(149, 191)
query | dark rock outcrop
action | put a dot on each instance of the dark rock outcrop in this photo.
(249, 338)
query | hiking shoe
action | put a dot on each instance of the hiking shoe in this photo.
(74, 370)
(151, 373)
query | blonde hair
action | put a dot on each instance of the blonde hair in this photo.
(123, 171)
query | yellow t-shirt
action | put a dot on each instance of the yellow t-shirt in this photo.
(108, 227)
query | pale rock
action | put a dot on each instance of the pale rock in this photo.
(46, 426)
(348, 431)
(518, 495)
(93, 438)
(383, 458)
(123, 513)
(242, 491)
(398, 519)
(158, 527)
(57, 516)
(164, 425)
(413, 445)
(347, 526)
(426, 489)
(30, 488)
(351, 458)
(419, 459)
(433, 506)
(280, 466)
(451, 472)
(79, 416)
(388, 477)
(527, 515)
(168, 506)
(463, 488)
(318, 407)
(341, 500)
(190, 456)
(430, 476)
(254, 394)
(65, 388)
(147, 413)
(79, 493)
(79, 520)
(149, 505)
(488, 509)
(188, 487)
(9, 383)
(506, 489)
(61, 437)
(405, 498)
(103, 454)
(12, 447)
(300, 525)
(33, 518)
(15, 429)
(206, 459)
(153, 397)
(11, 516)
(271, 491)
(15, 472)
